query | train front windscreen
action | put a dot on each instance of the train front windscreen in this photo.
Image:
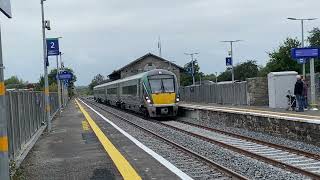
(163, 89)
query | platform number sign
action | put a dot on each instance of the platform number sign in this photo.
(228, 61)
(53, 47)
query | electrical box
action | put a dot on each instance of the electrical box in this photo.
(280, 84)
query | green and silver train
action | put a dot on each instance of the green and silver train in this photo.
(153, 93)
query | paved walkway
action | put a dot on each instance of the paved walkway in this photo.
(71, 151)
(82, 145)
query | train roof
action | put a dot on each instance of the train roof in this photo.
(137, 76)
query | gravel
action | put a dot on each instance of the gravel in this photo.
(257, 135)
(249, 167)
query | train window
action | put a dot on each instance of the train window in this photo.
(130, 90)
(156, 85)
(112, 91)
(168, 85)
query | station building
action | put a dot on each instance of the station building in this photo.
(146, 63)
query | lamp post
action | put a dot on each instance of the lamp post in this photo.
(231, 54)
(192, 66)
(62, 83)
(216, 77)
(45, 25)
(312, 78)
(302, 38)
(58, 81)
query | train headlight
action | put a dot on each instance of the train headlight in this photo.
(177, 99)
(149, 101)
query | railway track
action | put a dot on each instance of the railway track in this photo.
(284, 157)
(215, 171)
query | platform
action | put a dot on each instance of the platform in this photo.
(306, 116)
(297, 126)
(84, 146)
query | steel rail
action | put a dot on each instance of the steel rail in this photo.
(217, 166)
(248, 153)
(258, 141)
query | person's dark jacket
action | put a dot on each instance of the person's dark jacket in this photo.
(298, 88)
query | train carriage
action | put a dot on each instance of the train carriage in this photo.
(154, 93)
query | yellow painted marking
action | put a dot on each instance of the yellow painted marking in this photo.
(48, 108)
(2, 89)
(124, 167)
(4, 144)
(46, 91)
(264, 112)
(85, 125)
(164, 98)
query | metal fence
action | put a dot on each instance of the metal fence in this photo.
(228, 93)
(25, 115)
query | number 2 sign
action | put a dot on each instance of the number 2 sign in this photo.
(53, 47)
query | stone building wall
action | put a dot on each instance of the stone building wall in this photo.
(258, 91)
(149, 63)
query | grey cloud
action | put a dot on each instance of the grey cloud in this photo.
(102, 35)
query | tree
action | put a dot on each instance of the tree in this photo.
(225, 76)
(98, 79)
(53, 82)
(186, 77)
(314, 40)
(14, 82)
(280, 59)
(209, 77)
(245, 70)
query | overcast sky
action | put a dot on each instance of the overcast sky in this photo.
(102, 35)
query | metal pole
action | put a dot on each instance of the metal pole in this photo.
(61, 83)
(302, 45)
(193, 80)
(46, 83)
(216, 77)
(4, 159)
(313, 86)
(232, 70)
(59, 88)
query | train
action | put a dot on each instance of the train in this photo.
(153, 93)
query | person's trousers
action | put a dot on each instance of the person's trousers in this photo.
(300, 103)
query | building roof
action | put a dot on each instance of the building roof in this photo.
(143, 57)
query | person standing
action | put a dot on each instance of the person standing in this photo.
(298, 92)
(305, 94)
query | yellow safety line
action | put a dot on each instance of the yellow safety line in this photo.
(124, 167)
(85, 125)
(2, 89)
(262, 111)
(4, 144)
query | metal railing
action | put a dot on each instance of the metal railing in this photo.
(25, 116)
(228, 93)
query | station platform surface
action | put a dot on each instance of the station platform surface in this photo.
(83, 146)
(310, 116)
